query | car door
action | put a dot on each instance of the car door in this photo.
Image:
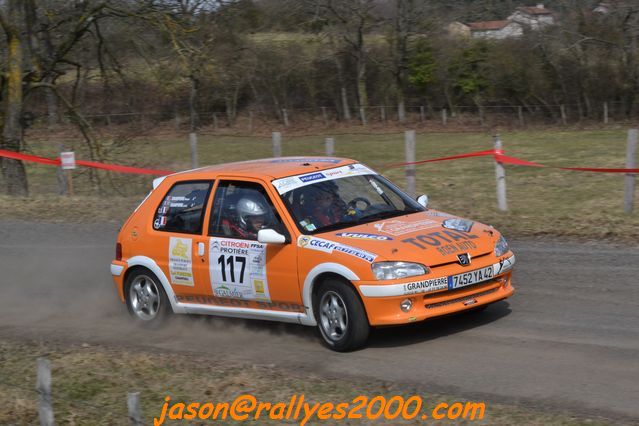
(178, 226)
(242, 269)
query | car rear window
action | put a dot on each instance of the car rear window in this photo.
(182, 208)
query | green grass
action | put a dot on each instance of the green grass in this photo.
(541, 201)
(90, 383)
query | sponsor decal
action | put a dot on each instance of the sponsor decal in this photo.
(504, 264)
(436, 213)
(446, 241)
(311, 178)
(223, 291)
(237, 269)
(327, 246)
(181, 261)
(398, 227)
(159, 222)
(287, 184)
(359, 236)
(458, 224)
(303, 241)
(163, 210)
(239, 303)
(426, 286)
(306, 160)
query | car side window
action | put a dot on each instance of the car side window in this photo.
(241, 209)
(182, 208)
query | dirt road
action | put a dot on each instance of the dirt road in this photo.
(568, 340)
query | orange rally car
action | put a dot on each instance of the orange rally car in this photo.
(323, 242)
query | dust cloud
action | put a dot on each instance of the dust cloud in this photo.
(55, 284)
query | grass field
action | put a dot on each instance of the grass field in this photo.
(90, 383)
(541, 201)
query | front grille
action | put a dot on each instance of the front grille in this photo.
(459, 299)
(474, 257)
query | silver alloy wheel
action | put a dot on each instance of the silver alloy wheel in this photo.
(333, 316)
(145, 298)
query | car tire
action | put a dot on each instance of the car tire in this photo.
(341, 317)
(145, 297)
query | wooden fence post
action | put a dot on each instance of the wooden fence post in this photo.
(43, 386)
(330, 146)
(382, 112)
(520, 113)
(500, 175)
(133, 406)
(62, 176)
(285, 116)
(562, 110)
(422, 114)
(631, 163)
(215, 121)
(409, 146)
(324, 116)
(277, 144)
(444, 116)
(605, 113)
(193, 146)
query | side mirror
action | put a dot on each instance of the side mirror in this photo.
(270, 236)
(423, 200)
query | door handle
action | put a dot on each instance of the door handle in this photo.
(200, 249)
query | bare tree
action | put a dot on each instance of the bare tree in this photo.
(12, 99)
(351, 20)
(409, 18)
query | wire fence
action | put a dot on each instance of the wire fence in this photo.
(250, 119)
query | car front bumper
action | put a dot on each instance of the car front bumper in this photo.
(382, 301)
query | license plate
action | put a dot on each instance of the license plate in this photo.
(470, 277)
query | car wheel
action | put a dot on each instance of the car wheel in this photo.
(341, 317)
(145, 298)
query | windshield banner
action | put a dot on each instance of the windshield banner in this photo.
(293, 182)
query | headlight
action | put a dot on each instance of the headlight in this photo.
(397, 270)
(501, 247)
(457, 224)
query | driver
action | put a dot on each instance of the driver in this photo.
(327, 206)
(252, 215)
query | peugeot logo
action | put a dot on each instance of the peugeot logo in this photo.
(464, 259)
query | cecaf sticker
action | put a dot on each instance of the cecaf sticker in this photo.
(238, 269)
(327, 246)
(359, 236)
(181, 261)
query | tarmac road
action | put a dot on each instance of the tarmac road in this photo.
(568, 340)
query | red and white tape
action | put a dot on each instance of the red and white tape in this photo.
(94, 164)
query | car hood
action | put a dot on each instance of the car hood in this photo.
(418, 237)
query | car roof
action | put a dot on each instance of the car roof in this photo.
(268, 168)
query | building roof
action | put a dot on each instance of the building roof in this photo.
(488, 25)
(534, 10)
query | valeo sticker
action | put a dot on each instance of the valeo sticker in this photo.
(362, 236)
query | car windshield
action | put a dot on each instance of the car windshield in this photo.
(345, 202)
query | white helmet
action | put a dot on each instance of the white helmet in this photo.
(248, 206)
